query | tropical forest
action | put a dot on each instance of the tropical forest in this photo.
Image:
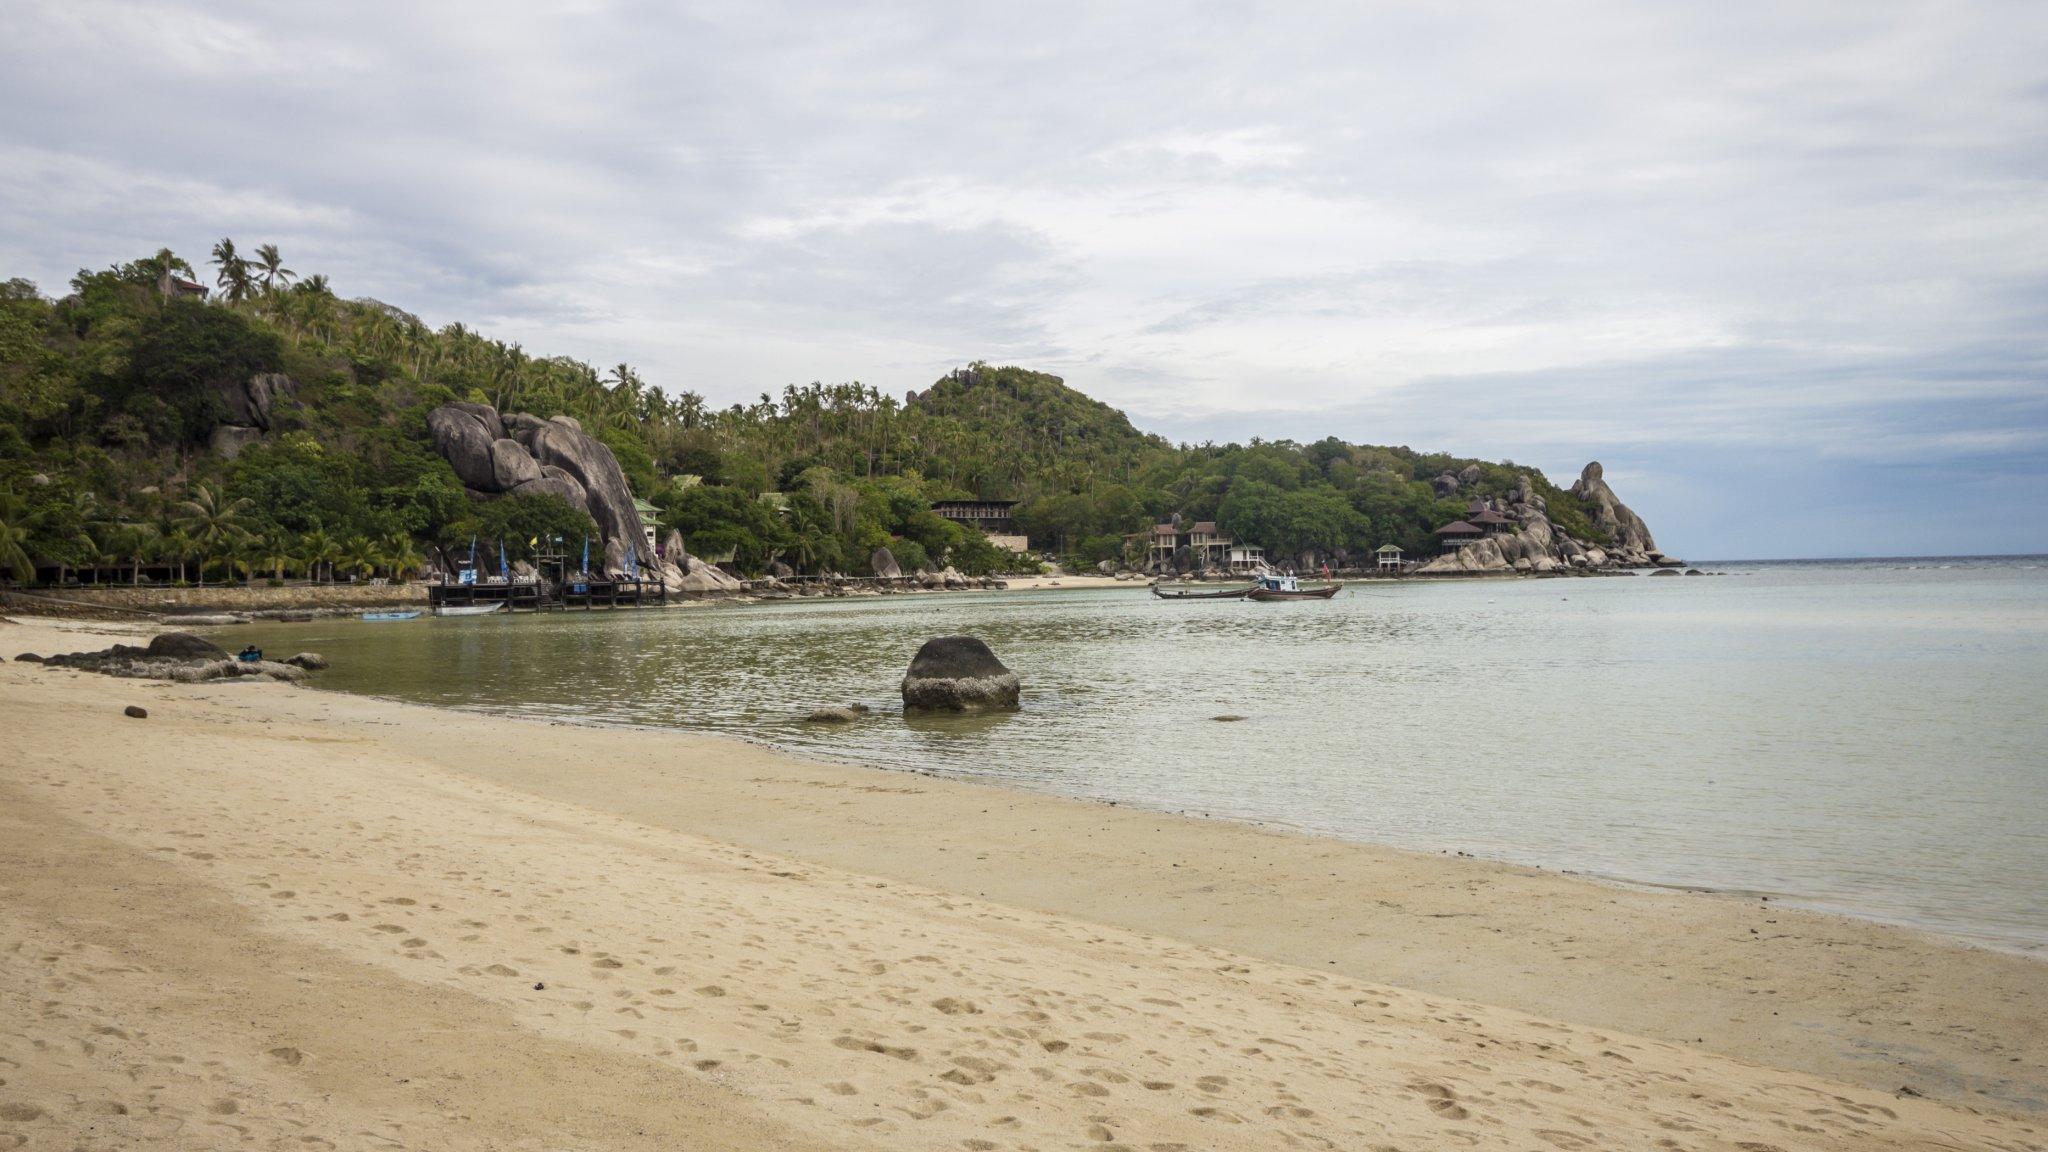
(238, 421)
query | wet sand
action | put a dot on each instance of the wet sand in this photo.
(288, 918)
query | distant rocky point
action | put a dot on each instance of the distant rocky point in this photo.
(1529, 542)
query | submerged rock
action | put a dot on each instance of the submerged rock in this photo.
(832, 715)
(957, 673)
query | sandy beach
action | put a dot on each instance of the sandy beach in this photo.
(275, 917)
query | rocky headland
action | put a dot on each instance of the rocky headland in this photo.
(1533, 543)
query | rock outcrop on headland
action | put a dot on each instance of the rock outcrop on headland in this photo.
(249, 410)
(521, 453)
(518, 453)
(1538, 545)
(1626, 529)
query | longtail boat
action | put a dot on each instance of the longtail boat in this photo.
(1288, 588)
(1184, 594)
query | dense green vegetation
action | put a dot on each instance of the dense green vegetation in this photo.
(108, 397)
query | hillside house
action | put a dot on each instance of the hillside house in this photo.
(991, 518)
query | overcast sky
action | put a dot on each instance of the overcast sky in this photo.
(1783, 268)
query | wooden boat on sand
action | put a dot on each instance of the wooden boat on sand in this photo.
(410, 614)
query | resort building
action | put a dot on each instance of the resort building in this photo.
(1458, 534)
(1490, 522)
(1207, 545)
(992, 518)
(170, 284)
(1389, 557)
(650, 525)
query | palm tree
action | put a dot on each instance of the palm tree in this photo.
(234, 272)
(359, 555)
(400, 555)
(176, 546)
(318, 551)
(215, 523)
(274, 274)
(136, 542)
(14, 557)
(276, 555)
(244, 557)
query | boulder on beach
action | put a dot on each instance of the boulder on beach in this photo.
(958, 673)
(310, 661)
(183, 646)
(883, 564)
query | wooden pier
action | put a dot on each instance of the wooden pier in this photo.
(562, 595)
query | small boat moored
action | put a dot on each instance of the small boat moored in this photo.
(410, 614)
(469, 609)
(1275, 587)
(1185, 594)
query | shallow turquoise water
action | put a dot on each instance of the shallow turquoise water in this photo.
(1870, 737)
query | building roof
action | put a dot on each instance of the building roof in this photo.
(1460, 528)
(938, 504)
(1206, 527)
(1489, 516)
(1164, 530)
(1386, 548)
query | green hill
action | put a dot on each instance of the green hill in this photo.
(277, 428)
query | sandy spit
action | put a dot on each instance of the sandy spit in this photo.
(274, 917)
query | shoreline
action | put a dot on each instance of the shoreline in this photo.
(2030, 950)
(1862, 1004)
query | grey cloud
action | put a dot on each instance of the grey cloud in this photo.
(1809, 229)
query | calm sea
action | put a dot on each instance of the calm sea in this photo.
(1869, 736)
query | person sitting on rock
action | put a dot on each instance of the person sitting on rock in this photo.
(250, 654)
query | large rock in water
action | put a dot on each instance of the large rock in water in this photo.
(1610, 515)
(957, 673)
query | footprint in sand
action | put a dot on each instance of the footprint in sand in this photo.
(855, 1044)
(1443, 1101)
(287, 1055)
(501, 970)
